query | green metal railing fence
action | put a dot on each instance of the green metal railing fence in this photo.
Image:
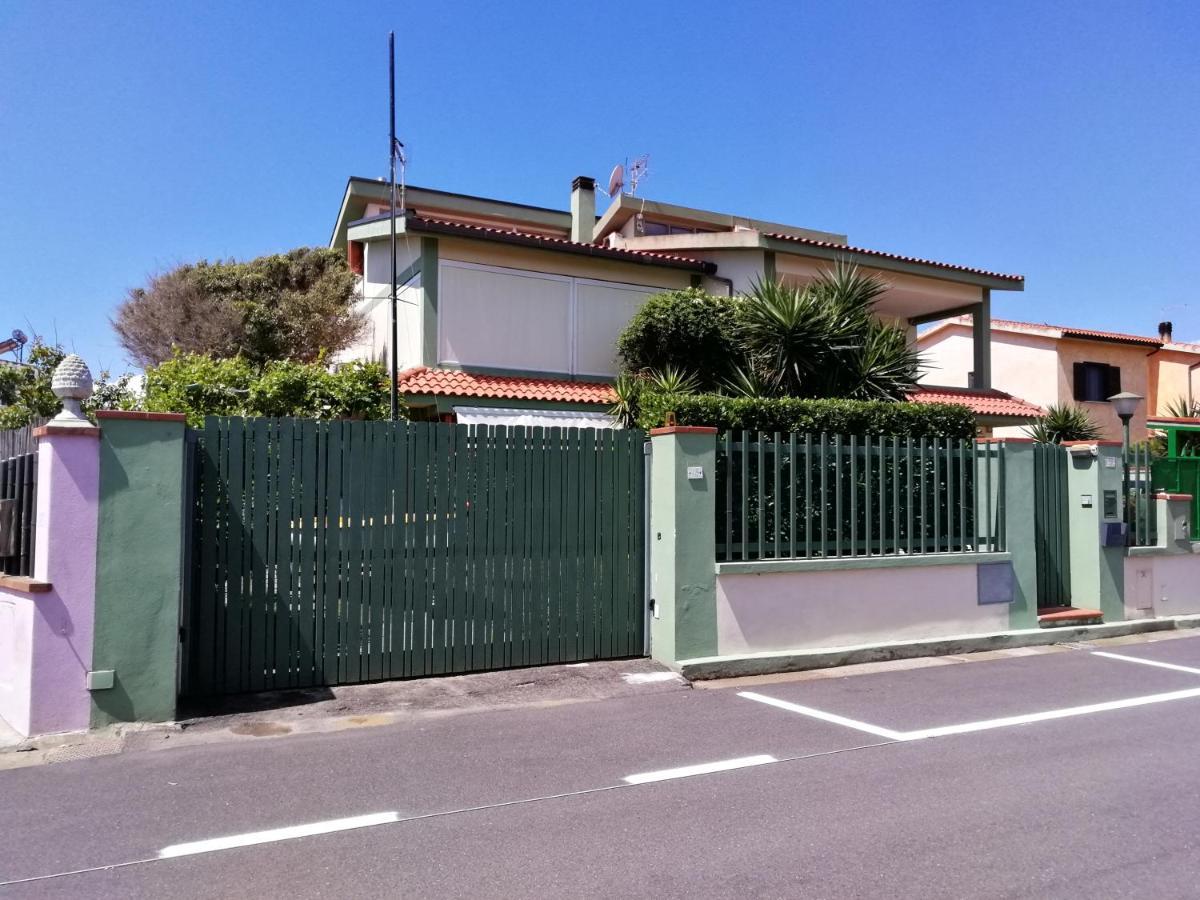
(1180, 476)
(1140, 518)
(798, 496)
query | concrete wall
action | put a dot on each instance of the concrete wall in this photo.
(140, 573)
(1134, 364)
(838, 608)
(1162, 585)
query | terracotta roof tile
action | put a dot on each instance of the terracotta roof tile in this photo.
(982, 403)
(453, 383)
(532, 239)
(812, 242)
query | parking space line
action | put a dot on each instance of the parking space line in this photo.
(968, 727)
(1048, 715)
(824, 716)
(701, 769)
(277, 834)
(1147, 662)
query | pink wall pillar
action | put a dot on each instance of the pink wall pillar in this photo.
(46, 648)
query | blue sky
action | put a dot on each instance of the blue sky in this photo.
(1059, 140)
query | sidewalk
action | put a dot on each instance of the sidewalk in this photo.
(280, 713)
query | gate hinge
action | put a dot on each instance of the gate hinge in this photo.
(182, 634)
(646, 448)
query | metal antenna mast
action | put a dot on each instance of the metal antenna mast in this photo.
(392, 160)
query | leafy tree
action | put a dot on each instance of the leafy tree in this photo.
(1064, 422)
(291, 306)
(688, 330)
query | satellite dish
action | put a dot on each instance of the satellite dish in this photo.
(19, 336)
(616, 180)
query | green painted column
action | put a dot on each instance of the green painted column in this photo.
(139, 566)
(1020, 534)
(981, 322)
(1094, 500)
(429, 306)
(683, 548)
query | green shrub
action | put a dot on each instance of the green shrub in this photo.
(785, 414)
(200, 386)
(687, 330)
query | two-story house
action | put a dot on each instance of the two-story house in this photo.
(1049, 364)
(510, 312)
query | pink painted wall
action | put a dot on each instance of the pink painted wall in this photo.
(1163, 585)
(16, 658)
(839, 608)
(43, 684)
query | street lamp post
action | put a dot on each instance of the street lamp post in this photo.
(1125, 404)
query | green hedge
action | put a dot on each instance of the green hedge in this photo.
(809, 416)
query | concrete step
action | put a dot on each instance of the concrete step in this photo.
(1068, 616)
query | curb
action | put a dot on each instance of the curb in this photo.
(775, 662)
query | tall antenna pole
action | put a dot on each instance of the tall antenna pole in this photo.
(392, 354)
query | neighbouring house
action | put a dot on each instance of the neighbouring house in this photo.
(510, 312)
(1049, 364)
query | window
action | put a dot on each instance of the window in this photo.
(1096, 382)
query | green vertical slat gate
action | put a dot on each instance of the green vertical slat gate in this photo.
(339, 552)
(1050, 463)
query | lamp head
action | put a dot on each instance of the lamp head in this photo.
(1126, 404)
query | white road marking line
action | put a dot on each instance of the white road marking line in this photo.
(277, 834)
(1048, 715)
(968, 727)
(825, 716)
(649, 677)
(1146, 662)
(700, 769)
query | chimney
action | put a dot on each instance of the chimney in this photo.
(583, 209)
(1164, 331)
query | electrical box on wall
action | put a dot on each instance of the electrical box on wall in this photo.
(1112, 534)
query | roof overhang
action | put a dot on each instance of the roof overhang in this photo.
(625, 206)
(379, 227)
(360, 192)
(888, 262)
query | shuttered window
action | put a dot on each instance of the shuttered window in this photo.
(1096, 382)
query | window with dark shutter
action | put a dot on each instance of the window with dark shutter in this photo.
(1095, 382)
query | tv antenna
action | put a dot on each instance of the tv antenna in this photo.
(638, 172)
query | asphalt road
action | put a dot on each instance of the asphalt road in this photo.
(951, 780)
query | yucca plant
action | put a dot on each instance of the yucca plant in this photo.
(823, 340)
(1064, 422)
(628, 389)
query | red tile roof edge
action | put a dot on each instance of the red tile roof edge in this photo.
(813, 242)
(989, 403)
(1081, 333)
(421, 380)
(427, 223)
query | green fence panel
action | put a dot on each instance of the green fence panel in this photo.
(342, 552)
(811, 496)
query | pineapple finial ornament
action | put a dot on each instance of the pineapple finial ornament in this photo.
(72, 384)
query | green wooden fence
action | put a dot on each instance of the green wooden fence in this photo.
(790, 496)
(339, 552)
